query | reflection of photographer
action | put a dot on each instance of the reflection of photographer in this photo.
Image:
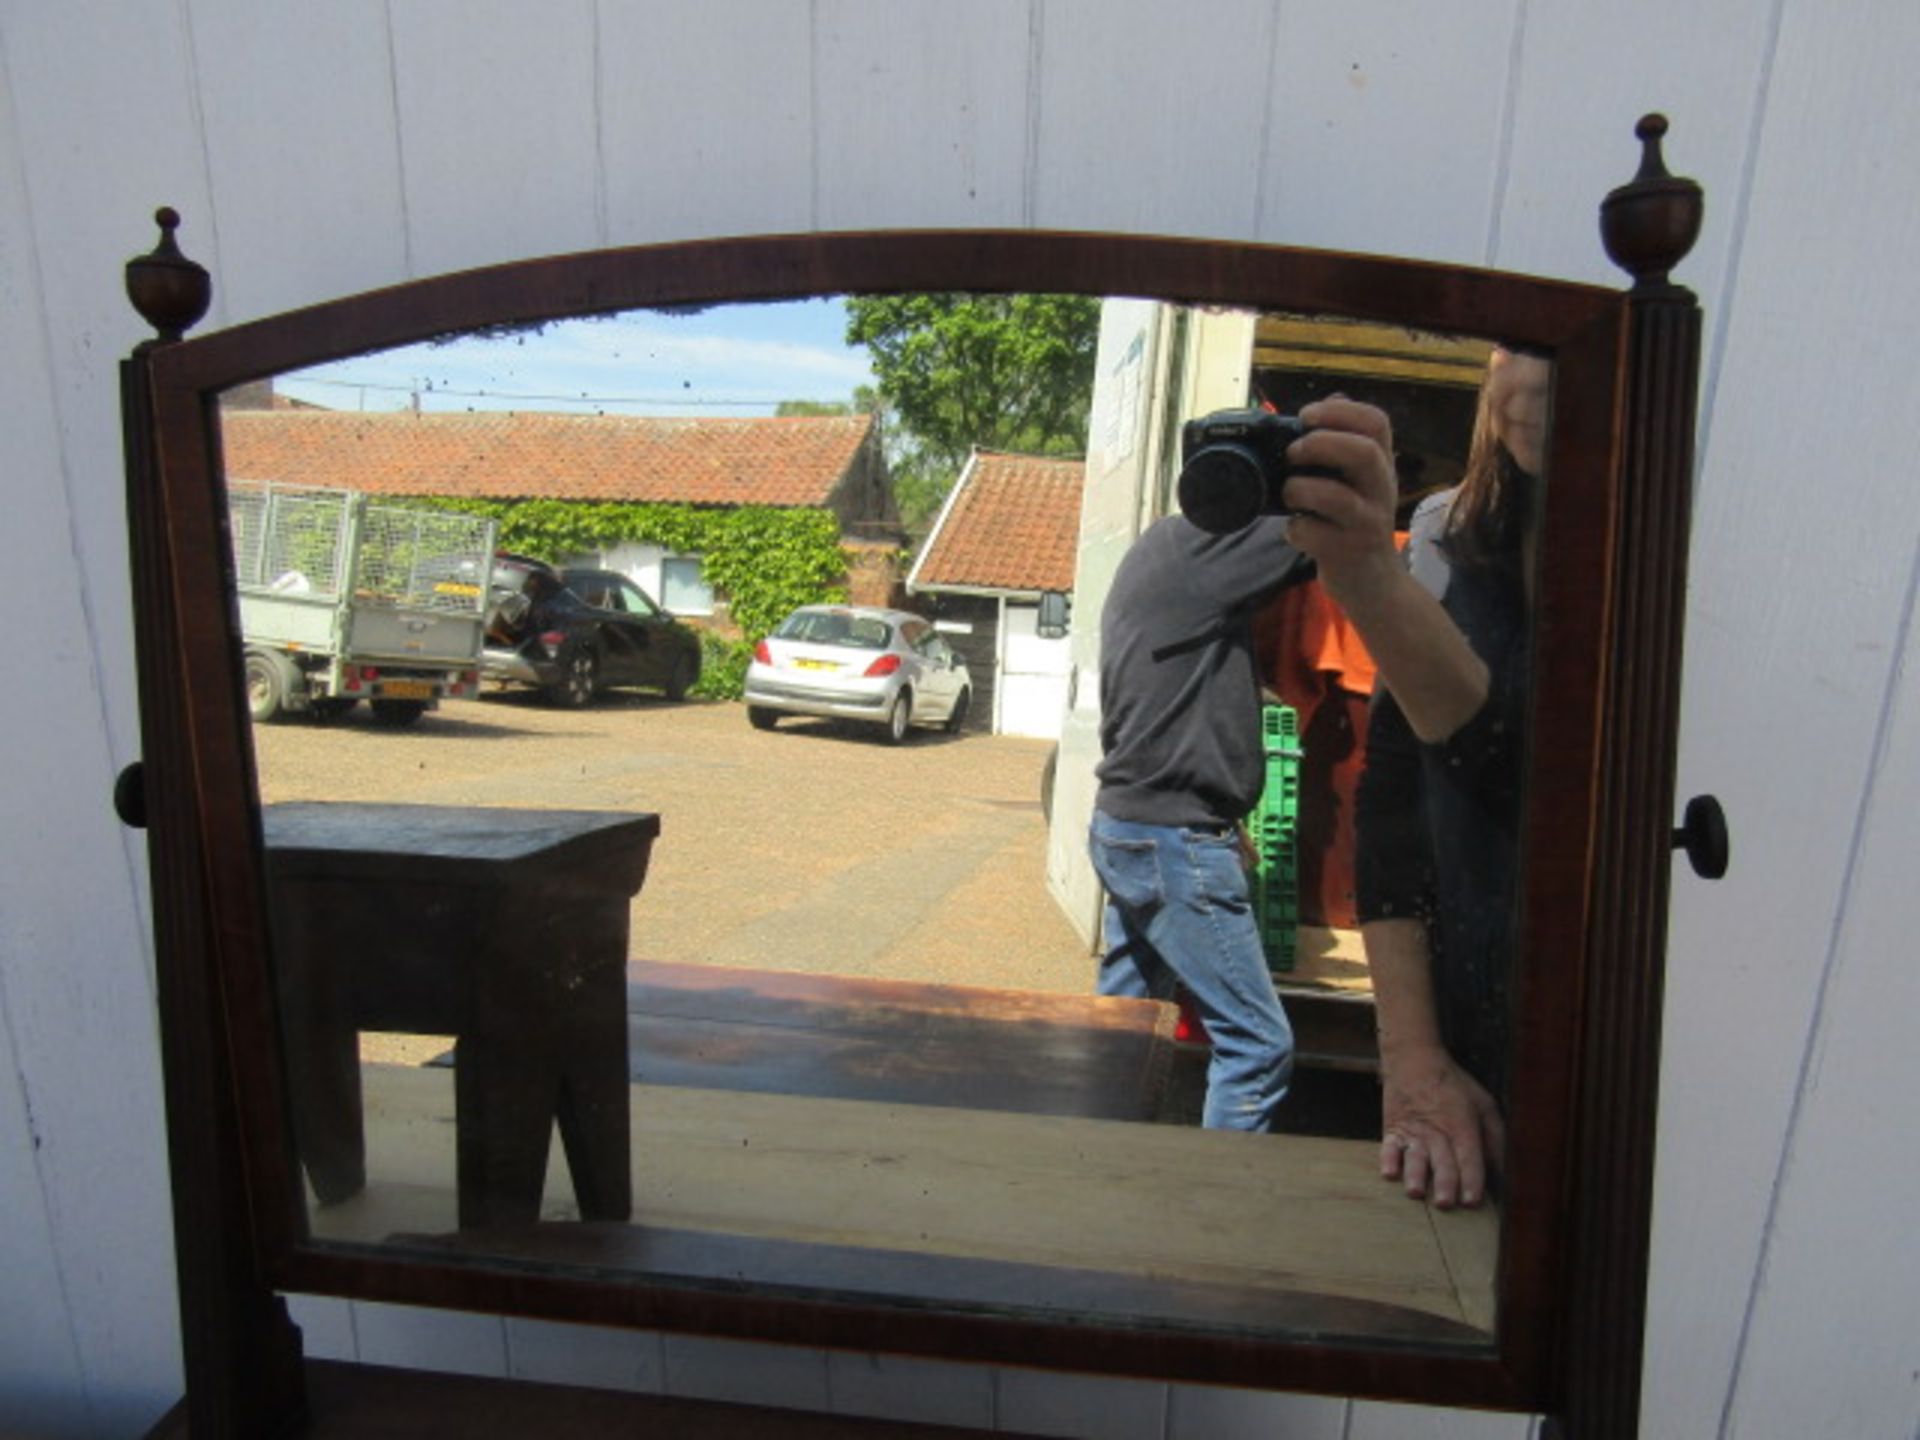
(1439, 802)
(1182, 766)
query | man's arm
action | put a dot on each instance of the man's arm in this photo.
(1441, 1133)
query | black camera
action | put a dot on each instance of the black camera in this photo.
(1233, 464)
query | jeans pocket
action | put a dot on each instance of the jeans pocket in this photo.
(1130, 869)
(1219, 877)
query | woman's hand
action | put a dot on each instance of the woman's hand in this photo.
(1441, 1133)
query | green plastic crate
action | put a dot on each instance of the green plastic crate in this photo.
(1275, 826)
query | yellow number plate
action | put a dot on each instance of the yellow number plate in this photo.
(406, 690)
(816, 665)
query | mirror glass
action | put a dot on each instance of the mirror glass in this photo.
(677, 809)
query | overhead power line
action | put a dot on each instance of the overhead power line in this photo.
(580, 399)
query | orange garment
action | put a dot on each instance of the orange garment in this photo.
(1307, 645)
(1312, 658)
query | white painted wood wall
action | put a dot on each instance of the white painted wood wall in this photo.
(323, 149)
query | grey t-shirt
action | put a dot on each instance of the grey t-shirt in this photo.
(1179, 687)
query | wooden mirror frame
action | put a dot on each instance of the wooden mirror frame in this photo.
(1599, 827)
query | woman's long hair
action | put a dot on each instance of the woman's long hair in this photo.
(1494, 504)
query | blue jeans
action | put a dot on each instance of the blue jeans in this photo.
(1178, 909)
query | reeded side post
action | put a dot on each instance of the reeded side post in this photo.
(240, 1350)
(1648, 226)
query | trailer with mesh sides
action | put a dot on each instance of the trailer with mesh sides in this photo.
(345, 597)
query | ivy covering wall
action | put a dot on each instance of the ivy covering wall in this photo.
(765, 560)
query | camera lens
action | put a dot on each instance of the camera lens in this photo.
(1222, 488)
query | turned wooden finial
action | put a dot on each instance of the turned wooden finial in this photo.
(1649, 224)
(170, 291)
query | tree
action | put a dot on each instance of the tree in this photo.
(813, 407)
(1004, 372)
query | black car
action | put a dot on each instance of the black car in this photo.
(572, 632)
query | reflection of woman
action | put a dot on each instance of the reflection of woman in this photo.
(1439, 803)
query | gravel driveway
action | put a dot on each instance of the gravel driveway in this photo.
(812, 847)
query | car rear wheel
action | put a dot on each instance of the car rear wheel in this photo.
(397, 713)
(762, 718)
(271, 679)
(579, 679)
(685, 672)
(899, 718)
(957, 717)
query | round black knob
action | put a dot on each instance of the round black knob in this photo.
(1703, 835)
(130, 796)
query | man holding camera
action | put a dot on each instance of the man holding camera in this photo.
(1278, 500)
(1182, 768)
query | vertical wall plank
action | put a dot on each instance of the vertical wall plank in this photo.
(446, 1340)
(1372, 1421)
(1148, 121)
(891, 74)
(499, 140)
(326, 1326)
(1851, 1167)
(707, 118)
(898, 1387)
(309, 206)
(43, 1379)
(85, 1132)
(1035, 1403)
(1364, 150)
(92, 188)
(703, 1368)
(1196, 1412)
(583, 1355)
(43, 1385)
(1804, 544)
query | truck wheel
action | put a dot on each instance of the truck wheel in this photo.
(271, 679)
(397, 713)
(579, 679)
(329, 708)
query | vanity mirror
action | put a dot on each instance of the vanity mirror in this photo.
(299, 911)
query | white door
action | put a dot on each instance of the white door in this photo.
(1032, 690)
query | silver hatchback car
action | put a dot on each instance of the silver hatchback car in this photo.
(855, 662)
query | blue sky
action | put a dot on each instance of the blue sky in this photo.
(730, 360)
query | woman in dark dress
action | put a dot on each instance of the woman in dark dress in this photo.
(1439, 802)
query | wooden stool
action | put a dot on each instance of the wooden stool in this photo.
(506, 929)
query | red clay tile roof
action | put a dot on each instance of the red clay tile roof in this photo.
(1014, 525)
(503, 455)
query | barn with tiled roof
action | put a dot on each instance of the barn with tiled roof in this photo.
(828, 462)
(1008, 534)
